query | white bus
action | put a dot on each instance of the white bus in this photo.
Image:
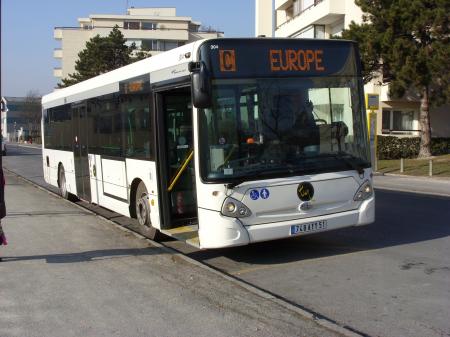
(221, 142)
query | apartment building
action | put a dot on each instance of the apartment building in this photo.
(19, 120)
(324, 19)
(155, 29)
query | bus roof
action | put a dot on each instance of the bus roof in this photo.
(168, 59)
(160, 61)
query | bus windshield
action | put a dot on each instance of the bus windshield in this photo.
(274, 127)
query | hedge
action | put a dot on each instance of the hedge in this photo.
(390, 147)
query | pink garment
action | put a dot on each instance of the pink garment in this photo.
(3, 239)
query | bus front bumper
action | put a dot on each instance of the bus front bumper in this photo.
(364, 215)
(217, 231)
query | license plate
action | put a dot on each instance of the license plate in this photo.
(309, 227)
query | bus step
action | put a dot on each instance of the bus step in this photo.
(188, 234)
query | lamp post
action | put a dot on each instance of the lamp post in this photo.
(15, 138)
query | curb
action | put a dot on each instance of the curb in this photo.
(424, 178)
(432, 194)
(303, 312)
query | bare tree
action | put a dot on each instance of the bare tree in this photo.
(32, 114)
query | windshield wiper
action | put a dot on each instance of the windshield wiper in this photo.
(265, 171)
(348, 159)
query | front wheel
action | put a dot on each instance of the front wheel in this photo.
(142, 211)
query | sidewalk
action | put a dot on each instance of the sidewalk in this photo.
(413, 184)
(67, 272)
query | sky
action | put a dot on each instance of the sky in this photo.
(27, 32)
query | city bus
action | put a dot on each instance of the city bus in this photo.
(220, 142)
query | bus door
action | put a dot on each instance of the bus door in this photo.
(80, 151)
(178, 195)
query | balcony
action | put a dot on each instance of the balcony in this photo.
(57, 53)
(282, 4)
(57, 72)
(323, 12)
(58, 33)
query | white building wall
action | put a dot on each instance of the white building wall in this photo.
(264, 18)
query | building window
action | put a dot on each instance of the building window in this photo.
(403, 120)
(296, 7)
(160, 45)
(148, 25)
(312, 32)
(136, 42)
(149, 44)
(386, 121)
(289, 13)
(307, 3)
(307, 33)
(398, 121)
(131, 25)
(319, 31)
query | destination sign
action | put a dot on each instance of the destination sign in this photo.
(296, 60)
(238, 58)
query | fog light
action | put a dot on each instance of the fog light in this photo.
(230, 207)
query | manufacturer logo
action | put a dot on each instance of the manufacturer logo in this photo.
(227, 60)
(305, 191)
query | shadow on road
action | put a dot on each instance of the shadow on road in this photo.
(89, 256)
(401, 218)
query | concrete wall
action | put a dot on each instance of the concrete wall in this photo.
(163, 11)
(264, 18)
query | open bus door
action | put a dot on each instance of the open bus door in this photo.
(80, 151)
(177, 190)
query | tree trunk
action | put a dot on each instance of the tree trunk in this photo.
(425, 128)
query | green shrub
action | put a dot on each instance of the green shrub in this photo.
(390, 147)
(440, 146)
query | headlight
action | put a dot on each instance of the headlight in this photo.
(364, 192)
(236, 209)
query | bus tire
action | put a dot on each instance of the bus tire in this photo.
(63, 186)
(142, 211)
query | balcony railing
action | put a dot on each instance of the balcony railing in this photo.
(58, 30)
(57, 72)
(57, 53)
(295, 15)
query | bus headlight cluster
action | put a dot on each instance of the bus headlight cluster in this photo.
(364, 192)
(234, 208)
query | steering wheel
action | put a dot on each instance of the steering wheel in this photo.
(321, 121)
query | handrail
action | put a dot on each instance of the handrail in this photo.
(180, 171)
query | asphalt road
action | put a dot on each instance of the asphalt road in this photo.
(391, 278)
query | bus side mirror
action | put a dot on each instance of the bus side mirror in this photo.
(201, 85)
